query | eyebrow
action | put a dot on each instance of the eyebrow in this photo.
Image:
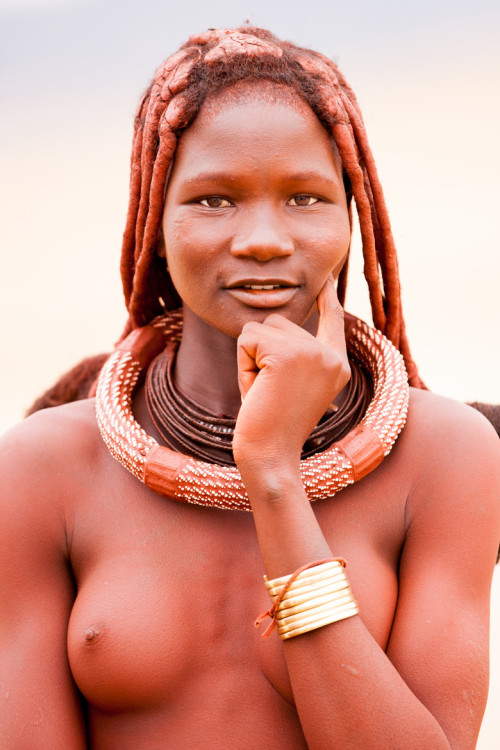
(208, 177)
(309, 175)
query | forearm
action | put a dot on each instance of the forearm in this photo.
(347, 692)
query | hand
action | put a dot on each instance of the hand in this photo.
(287, 380)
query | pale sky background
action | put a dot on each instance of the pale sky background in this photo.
(427, 77)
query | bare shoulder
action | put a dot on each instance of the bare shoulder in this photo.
(53, 433)
(439, 426)
(44, 458)
(455, 454)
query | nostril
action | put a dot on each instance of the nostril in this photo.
(262, 248)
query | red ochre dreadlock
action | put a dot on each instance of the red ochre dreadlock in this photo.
(205, 65)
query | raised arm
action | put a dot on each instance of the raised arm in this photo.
(39, 703)
(429, 689)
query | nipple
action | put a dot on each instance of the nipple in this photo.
(91, 635)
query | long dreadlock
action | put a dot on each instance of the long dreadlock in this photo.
(205, 65)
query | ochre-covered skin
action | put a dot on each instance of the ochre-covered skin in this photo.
(161, 640)
(127, 618)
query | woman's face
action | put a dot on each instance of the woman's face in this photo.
(255, 216)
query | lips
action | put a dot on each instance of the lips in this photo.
(263, 293)
(262, 287)
(261, 284)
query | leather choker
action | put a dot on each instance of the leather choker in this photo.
(187, 427)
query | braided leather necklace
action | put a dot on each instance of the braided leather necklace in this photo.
(185, 426)
(187, 479)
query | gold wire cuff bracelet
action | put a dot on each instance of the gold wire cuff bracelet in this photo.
(315, 595)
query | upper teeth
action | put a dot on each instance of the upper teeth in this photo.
(263, 286)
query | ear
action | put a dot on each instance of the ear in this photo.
(160, 249)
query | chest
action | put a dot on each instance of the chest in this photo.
(167, 593)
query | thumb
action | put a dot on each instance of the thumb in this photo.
(331, 317)
(247, 369)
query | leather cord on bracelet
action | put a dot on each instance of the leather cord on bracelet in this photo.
(271, 612)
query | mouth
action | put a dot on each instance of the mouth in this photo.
(259, 287)
(262, 284)
(263, 293)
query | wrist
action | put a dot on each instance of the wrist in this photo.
(271, 481)
(267, 455)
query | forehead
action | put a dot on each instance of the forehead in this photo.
(261, 122)
(256, 91)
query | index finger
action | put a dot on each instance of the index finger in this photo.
(331, 317)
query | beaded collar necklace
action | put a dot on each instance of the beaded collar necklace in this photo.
(189, 480)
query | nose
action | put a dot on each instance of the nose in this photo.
(262, 235)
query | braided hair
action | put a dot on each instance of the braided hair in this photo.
(209, 63)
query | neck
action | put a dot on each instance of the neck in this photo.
(206, 369)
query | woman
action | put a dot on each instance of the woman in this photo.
(130, 615)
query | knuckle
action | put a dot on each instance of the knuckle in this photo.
(248, 326)
(328, 357)
(273, 319)
(333, 361)
(345, 374)
(249, 329)
(338, 311)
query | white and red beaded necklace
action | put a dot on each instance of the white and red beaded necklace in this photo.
(190, 480)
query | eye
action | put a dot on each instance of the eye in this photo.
(215, 201)
(303, 200)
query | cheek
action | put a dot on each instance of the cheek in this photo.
(192, 268)
(328, 236)
(342, 228)
(331, 248)
(341, 241)
(336, 271)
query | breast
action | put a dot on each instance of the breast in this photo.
(167, 598)
(128, 645)
(137, 634)
(144, 624)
